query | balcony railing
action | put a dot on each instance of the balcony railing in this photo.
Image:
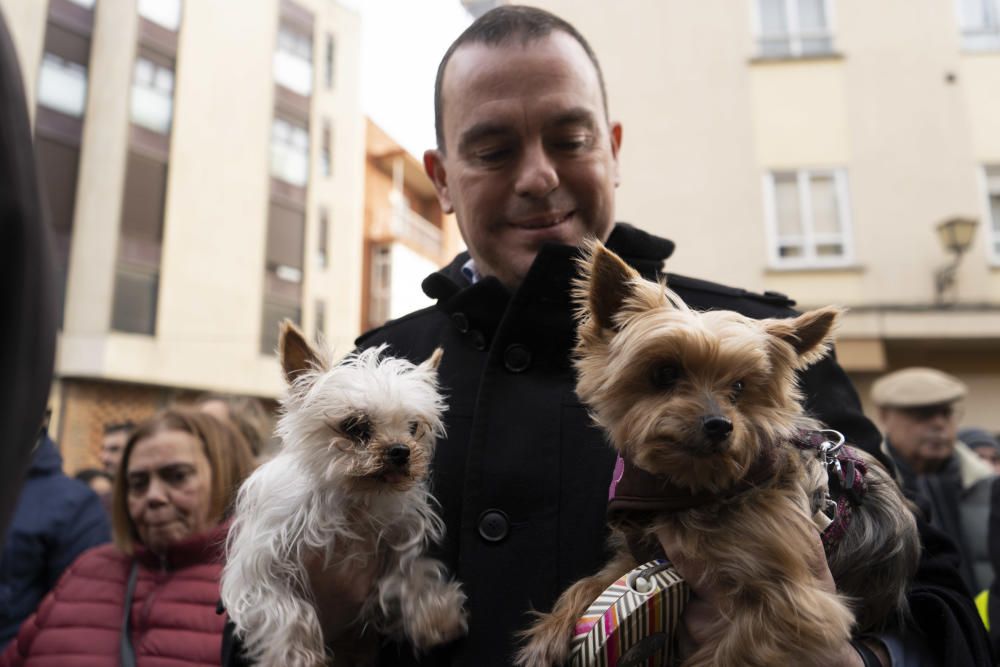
(405, 224)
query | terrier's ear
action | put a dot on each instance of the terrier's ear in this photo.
(606, 282)
(810, 334)
(297, 356)
(433, 361)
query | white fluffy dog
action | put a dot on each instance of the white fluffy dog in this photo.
(347, 487)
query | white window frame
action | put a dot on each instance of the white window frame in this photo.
(795, 35)
(991, 226)
(989, 33)
(57, 77)
(151, 95)
(809, 258)
(289, 161)
(292, 62)
(164, 13)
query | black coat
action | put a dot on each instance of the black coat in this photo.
(522, 475)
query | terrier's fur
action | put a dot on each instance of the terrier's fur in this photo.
(658, 378)
(346, 488)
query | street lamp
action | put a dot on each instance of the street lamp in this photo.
(956, 236)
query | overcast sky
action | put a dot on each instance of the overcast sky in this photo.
(402, 42)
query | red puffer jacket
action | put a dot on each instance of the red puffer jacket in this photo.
(173, 620)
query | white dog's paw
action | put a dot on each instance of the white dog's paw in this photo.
(441, 618)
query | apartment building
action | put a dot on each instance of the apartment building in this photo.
(812, 147)
(202, 167)
(407, 236)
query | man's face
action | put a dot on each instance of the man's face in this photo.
(529, 156)
(924, 436)
(111, 451)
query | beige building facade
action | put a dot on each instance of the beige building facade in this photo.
(202, 167)
(811, 147)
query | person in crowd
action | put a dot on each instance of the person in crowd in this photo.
(985, 444)
(153, 593)
(116, 434)
(918, 410)
(99, 481)
(247, 414)
(527, 160)
(55, 520)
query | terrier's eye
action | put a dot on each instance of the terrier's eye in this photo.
(415, 430)
(666, 376)
(737, 389)
(357, 428)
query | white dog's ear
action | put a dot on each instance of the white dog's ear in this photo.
(810, 334)
(605, 283)
(297, 356)
(433, 361)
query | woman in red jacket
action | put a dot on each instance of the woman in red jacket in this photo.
(179, 475)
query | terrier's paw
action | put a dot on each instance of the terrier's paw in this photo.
(548, 642)
(440, 618)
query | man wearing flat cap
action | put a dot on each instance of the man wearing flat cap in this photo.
(917, 407)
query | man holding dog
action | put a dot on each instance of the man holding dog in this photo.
(527, 159)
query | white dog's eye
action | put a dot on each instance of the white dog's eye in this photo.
(357, 428)
(415, 429)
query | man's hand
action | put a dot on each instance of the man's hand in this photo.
(702, 610)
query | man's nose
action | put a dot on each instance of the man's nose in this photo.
(537, 175)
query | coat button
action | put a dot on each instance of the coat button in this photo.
(493, 525)
(461, 322)
(516, 358)
(478, 340)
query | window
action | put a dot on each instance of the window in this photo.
(980, 22)
(808, 218)
(290, 152)
(283, 272)
(326, 153)
(62, 85)
(138, 267)
(992, 182)
(794, 28)
(380, 294)
(164, 13)
(293, 60)
(328, 71)
(320, 320)
(152, 95)
(322, 239)
(86, 4)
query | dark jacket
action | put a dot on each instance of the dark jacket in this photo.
(173, 621)
(56, 519)
(522, 475)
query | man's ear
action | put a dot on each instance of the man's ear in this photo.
(434, 166)
(605, 283)
(810, 334)
(616, 144)
(297, 356)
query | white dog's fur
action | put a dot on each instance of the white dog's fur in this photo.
(329, 492)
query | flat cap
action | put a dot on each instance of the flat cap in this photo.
(916, 387)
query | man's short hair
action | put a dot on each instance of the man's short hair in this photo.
(500, 26)
(125, 427)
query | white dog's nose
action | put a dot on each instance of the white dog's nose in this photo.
(399, 454)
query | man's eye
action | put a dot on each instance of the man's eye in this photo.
(492, 156)
(357, 428)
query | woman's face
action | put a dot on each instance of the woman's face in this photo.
(169, 488)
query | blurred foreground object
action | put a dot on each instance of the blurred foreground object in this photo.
(27, 349)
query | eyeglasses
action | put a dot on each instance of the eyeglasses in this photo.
(928, 412)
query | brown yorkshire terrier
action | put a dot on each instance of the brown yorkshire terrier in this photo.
(706, 414)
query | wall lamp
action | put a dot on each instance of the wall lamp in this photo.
(956, 236)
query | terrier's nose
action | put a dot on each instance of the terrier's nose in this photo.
(399, 454)
(716, 427)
